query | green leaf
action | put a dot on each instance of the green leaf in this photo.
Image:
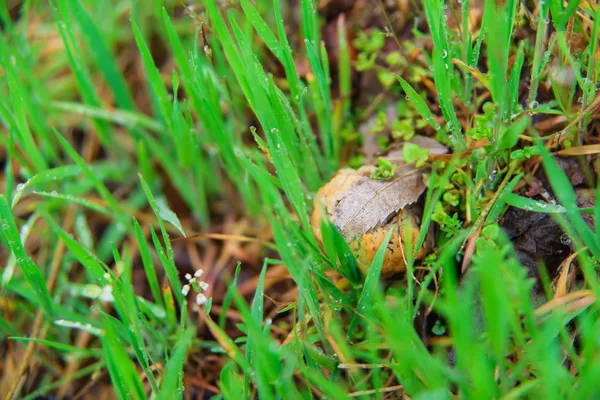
(510, 137)
(420, 105)
(168, 215)
(172, 385)
(30, 271)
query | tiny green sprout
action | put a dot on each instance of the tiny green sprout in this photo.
(365, 61)
(452, 198)
(394, 59)
(386, 78)
(383, 142)
(380, 123)
(415, 154)
(483, 126)
(487, 240)
(525, 152)
(402, 129)
(449, 225)
(385, 170)
(349, 134)
(369, 43)
(356, 161)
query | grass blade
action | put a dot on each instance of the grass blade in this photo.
(30, 271)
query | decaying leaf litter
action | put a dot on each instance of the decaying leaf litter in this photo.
(374, 34)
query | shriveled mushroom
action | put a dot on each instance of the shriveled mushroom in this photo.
(364, 209)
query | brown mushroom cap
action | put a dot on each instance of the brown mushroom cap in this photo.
(404, 222)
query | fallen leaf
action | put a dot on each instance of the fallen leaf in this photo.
(370, 202)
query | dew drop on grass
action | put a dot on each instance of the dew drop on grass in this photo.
(444, 53)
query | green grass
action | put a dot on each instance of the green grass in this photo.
(126, 125)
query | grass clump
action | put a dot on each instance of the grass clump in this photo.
(160, 167)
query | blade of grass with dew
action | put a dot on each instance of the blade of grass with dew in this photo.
(349, 264)
(261, 27)
(310, 22)
(67, 198)
(100, 187)
(181, 136)
(159, 92)
(23, 132)
(421, 106)
(103, 57)
(127, 305)
(370, 285)
(128, 119)
(82, 75)
(231, 383)
(53, 174)
(515, 79)
(297, 92)
(269, 368)
(166, 257)
(170, 270)
(229, 296)
(30, 271)
(495, 302)
(415, 368)
(32, 96)
(25, 231)
(564, 191)
(228, 346)
(329, 140)
(538, 54)
(89, 261)
(443, 68)
(344, 67)
(172, 384)
(498, 45)
(458, 304)
(149, 270)
(257, 316)
(210, 116)
(526, 203)
(309, 167)
(123, 372)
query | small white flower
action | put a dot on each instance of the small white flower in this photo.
(188, 277)
(198, 273)
(185, 290)
(201, 299)
(203, 285)
(106, 294)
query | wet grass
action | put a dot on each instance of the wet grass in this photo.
(128, 125)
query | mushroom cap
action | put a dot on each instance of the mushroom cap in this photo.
(405, 222)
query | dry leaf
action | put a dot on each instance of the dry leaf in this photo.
(370, 202)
